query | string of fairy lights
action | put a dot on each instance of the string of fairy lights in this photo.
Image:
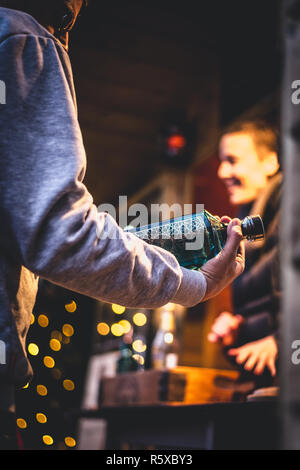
(45, 355)
(57, 340)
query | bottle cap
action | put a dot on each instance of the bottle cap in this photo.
(253, 227)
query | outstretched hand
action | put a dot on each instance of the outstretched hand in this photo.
(257, 355)
(225, 329)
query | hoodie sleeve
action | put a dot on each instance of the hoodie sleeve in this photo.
(49, 215)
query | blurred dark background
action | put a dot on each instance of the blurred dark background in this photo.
(138, 64)
(137, 67)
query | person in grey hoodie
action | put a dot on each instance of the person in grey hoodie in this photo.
(50, 227)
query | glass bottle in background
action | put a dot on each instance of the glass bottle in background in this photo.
(127, 361)
(165, 348)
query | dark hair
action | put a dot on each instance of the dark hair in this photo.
(264, 134)
(25, 3)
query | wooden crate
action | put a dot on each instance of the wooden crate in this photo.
(181, 385)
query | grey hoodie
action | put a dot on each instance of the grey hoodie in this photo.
(49, 224)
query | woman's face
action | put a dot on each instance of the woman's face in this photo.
(244, 174)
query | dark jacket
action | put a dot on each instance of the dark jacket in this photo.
(256, 293)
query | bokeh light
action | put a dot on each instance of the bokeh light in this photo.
(68, 385)
(33, 349)
(139, 319)
(48, 440)
(49, 362)
(71, 307)
(55, 345)
(119, 309)
(139, 346)
(126, 325)
(21, 423)
(68, 330)
(56, 373)
(41, 390)
(117, 329)
(41, 418)
(169, 338)
(70, 441)
(139, 358)
(43, 321)
(103, 328)
(56, 335)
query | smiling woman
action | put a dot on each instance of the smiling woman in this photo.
(248, 154)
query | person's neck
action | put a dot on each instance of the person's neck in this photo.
(40, 14)
(244, 209)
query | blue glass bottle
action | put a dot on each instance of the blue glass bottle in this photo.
(194, 239)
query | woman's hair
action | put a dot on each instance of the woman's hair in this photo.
(27, 4)
(265, 136)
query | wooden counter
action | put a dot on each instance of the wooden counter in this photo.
(214, 426)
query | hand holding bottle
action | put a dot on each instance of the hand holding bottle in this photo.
(221, 270)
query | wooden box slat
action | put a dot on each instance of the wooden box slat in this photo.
(185, 385)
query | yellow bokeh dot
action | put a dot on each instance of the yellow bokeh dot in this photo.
(68, 385)
(118, 309)
(55, 345)
(71, 307)
(32, 319)
(68, 330)
(56, 335)
(41, 390)
(49, 362)
(139, 319)
(66, 340)
(139, 358)
(47, 440)
(117, 329)
(139, 346)
(56, 373)
(41, 418)
(169, 337)
(21, 423)
(33, 349)
(126, 325)
(103, 328)
(70, 441)
(43, 321)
